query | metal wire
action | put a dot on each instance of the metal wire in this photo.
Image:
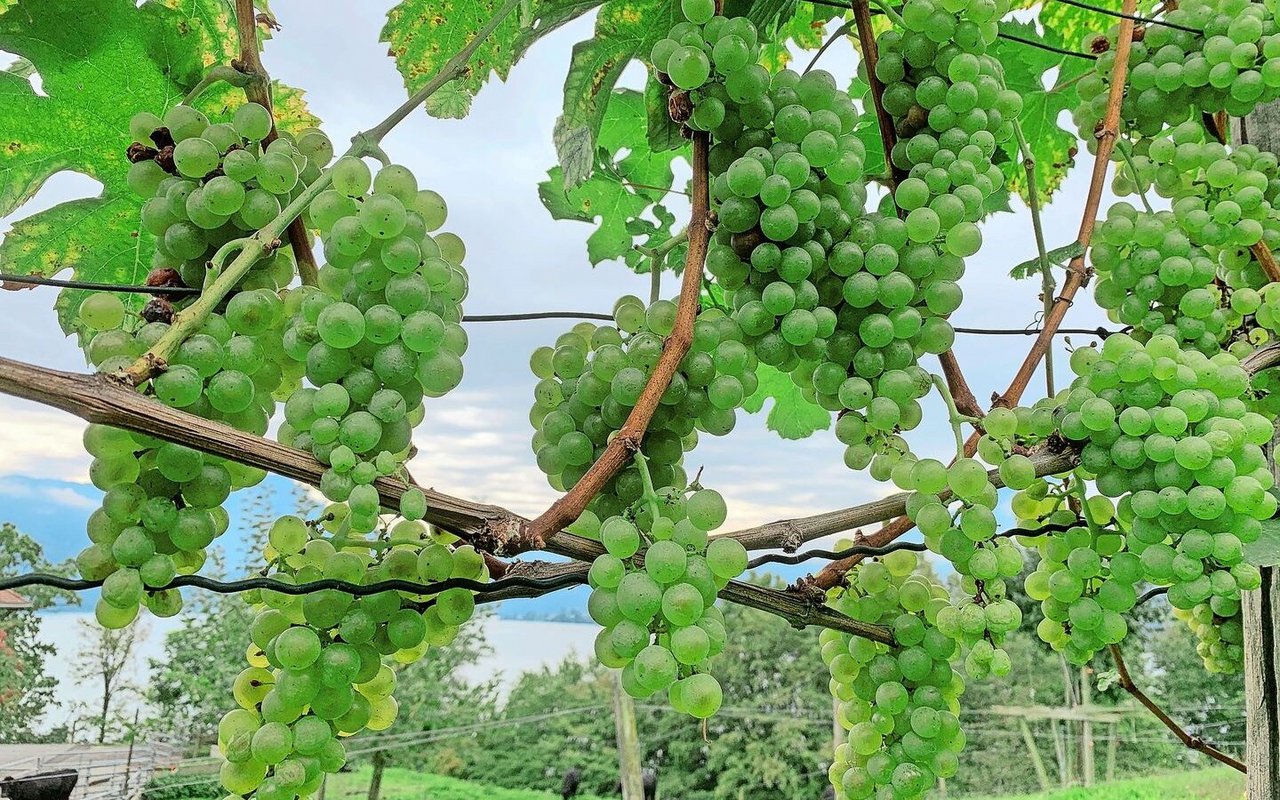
(271, 584)
(36, 280)
(865, 550)
(1134, 17)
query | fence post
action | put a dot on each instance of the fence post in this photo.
(624, 715)
(375, 782)
(1261, 608)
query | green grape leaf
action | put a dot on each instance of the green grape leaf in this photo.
(1265, 551)
(450, 101)
(1053, 147)
(99, 62)
(422, 35)
(1057, 257)
(625, 30)
(791, 416)
(602, 198)
(804, 29)
(629, 179)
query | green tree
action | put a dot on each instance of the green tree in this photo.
(189, 687)
(104, 657)
(26, 689)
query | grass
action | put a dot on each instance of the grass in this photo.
(1219, 783)
(406, 784)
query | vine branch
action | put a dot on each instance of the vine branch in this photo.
(258, 90)
(627, 440)
(1193, 742)
(97, 398)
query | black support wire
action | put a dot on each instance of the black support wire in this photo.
(915, 547)
(1134, 17)
(36, 280)
(271, 584)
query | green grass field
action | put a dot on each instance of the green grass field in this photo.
(1221, 783)
(404, 784)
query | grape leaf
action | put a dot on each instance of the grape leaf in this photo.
(1058, 257)
(804, 29)
(100, 62)
(625, 30)
(1025, 69)
(1265, 551)
(629, 179)
(664, 133)
(791, 416)
(422, 35)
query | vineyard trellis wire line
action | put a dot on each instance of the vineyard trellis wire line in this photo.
(1134, 17)
(518, 316)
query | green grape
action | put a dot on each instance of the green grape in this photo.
(252, 121)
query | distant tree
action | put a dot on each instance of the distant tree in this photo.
(105, 658)
(187, 686)
(26, 688)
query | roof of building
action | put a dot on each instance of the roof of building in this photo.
(11, 599)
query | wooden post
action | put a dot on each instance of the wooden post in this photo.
(1060, 751)
(1034, 753)
(1261, 608)
(1111, 752)
(624, 715)
(375, 783)
(1086, 728)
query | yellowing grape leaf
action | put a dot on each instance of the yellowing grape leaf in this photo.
(791, 415)
(99, 63)
(422, 35)
(625, 30)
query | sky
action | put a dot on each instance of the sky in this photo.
(474, 443)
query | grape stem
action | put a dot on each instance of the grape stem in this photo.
(953, 414)
(1193, 742)
(257, 89)
(1048, 285)
(219, 73)
(646, 480)
(890, 12)
(1078, 489)
(192, 317)
(657, 259)
(1128, 160)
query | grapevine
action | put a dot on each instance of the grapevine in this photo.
(1147, 475)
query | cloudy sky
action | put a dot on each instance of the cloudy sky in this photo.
(474, 443)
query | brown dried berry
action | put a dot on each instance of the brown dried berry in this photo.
(1139, 33)
(158, 309)
(140, 152)
(162, 277)
(680, 106)
(745, 243)
(162, 138)
(1099, 45)
(165, 159)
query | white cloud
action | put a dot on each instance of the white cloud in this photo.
(37, 490)
(37, 442)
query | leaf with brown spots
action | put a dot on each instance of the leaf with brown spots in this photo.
(99, 63)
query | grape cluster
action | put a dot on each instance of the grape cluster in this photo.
(590, 381)
(1168, 432)
(316, 668)
(654, 594)
(205, 186)
(380, 333)
(899, 705)
(1153, 278)
(1232, 64)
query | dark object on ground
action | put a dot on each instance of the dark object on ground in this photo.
(829, 793)
(56, 785)
(649, 776)
(572, 779)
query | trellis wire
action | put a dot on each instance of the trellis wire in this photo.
(270, 584)
(513, 317)
(1134, 17)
